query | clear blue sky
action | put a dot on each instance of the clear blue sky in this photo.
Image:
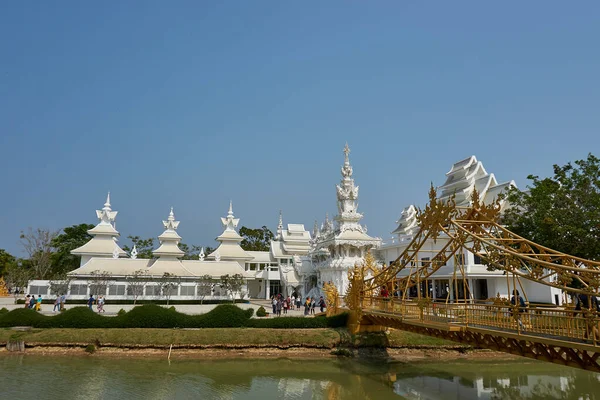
(190, 104)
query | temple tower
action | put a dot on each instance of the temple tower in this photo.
(346, 240)
(229, 248)
(104, 241)
(169, 240)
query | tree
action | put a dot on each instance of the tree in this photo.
(38, 246)
(168, 284)
(6, 261)
(191, 253)
(256, 239)
(144, 247)
(71, 238)
(232, 284)
(135, 284)
(60, 284)
(561, 212)
(99, 282)
(206, 284)
(17, 276)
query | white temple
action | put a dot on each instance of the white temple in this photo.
(297, 262)
(340, 245)
(464, 177)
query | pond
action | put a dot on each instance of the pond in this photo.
(91, 378)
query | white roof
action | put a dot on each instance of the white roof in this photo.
(183, 268)
(99, 246)
(230, 251)
(260, 256)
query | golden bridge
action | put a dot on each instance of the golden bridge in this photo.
(398, 296)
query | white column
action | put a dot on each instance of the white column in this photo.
(471, 288)
(267, 289)
(434, 293)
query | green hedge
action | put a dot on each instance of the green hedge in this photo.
(154, 316)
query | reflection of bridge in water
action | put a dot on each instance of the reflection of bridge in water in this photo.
(562, 335)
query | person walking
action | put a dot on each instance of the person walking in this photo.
(63, 300)
(32, 301)
(517, 300)
(285, 306)
(322, 304)
(38, 303)
(307, 306)
(27, 301)
(279, 307)
(313, 304)
(56, 304)
(100, 304)
(90, 302)
(274, 304)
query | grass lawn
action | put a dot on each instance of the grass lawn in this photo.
(217, 337)
(165, 337)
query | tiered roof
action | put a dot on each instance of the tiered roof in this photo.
(104, 240)
(229, 247)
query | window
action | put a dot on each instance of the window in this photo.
(425, 262)
(188, 290)
(477, 259)
(153, 290)
(38, 290)
(283, 261)
(274, 268)
(253, 267)
(262, 266)
(79, 289)
(116, 290)
(218, 291)
(460, 259)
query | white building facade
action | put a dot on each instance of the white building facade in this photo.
(463, 178)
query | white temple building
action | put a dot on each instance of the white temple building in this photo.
(297, 261)
(464, 177)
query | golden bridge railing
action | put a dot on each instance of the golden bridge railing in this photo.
(558, 323)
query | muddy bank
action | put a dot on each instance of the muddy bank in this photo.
(204, 352)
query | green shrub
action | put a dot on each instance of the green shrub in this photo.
(150, 316)
(261, 312)
(222, 316)
(121, 313)
(22, 316)
(77, 317)
(90, 348)
(4, 310)
(338, 321)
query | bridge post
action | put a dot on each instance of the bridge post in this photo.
(357, 323)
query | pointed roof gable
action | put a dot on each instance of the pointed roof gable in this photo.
(104, 240)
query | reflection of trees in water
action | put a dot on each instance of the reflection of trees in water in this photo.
(576, 387)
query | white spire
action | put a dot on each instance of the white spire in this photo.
(230, 222)
(201, 255)
(134, 252)
(170, 223)
(169, 239)
(106, 215)
(280, 226)
(346, 154)
(116, 251)
(107, 204)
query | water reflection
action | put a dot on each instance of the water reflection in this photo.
(95, 377)
(522, 380)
